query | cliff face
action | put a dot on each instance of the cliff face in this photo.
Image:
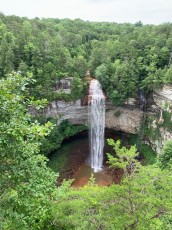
(128, 119)
(72, 111)
(163, 96)
(160, 119)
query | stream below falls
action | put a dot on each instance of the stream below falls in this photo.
(72, 161)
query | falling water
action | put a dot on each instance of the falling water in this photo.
(142, 100)
(97, 124)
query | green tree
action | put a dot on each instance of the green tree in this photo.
(142, 200)
(141, 195)
(124, 158)
(80, 65)
(103, 75)
(27, 185)
(7, 55)
(9, 61)
(2, 29)
(168, 75)
(165, 157)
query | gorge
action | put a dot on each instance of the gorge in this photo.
(127, 119)
(47, 178)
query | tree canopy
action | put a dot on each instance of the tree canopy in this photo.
(134, 55)
(25, 193)
(125, 58)
(30, 199)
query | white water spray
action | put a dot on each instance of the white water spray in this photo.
(97, 124)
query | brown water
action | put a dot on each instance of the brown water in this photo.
(71, 162)
(83, 175)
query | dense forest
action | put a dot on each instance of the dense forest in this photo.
(126, 58)
(135, 55)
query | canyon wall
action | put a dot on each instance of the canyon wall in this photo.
(159, 119)
(126, 119)
(155, 122)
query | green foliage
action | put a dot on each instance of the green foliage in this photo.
(152, 126)
(124, 57)
(144, 149)
(150, 156)
(59, 159)
(25, 194)
(165, 157)
(92, 180)
(76, 88)
(142, 201)
(124, 158)
(114, 78)
(167, 120)
(168, 75)
(62, 161)
(59, 133)
(69, 130)
(154, 123)
(119, 55)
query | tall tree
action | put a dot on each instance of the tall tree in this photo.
(27, 185)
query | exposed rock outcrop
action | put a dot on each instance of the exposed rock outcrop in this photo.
(158, 144)
(63, 85)
(126, 119)
(162, 104)
(72, 111)
(163, 98)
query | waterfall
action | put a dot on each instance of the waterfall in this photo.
(97, 124)
(142, 100)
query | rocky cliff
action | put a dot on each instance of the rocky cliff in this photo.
(72, 111)
(126, 119)
(156, 125)
(159, 119)
(163, 96)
